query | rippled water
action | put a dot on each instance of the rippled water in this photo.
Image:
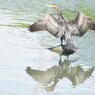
(27, 67)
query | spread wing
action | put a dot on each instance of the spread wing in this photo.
(48, 23)
(84, 23)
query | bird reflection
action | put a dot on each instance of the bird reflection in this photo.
(52, 76)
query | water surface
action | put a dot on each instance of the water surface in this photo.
(27, 67)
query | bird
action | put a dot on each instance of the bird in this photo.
(63, 28)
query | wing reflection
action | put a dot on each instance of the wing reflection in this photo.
(51, 76)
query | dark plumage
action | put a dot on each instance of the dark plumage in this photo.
(63, 28)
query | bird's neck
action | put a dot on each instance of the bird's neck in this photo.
(59, 11)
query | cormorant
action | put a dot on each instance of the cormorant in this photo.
(63, 28)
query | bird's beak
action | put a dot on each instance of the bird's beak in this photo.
(51, 5)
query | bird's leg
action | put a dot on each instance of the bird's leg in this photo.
(61, 41)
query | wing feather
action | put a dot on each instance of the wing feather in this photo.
(84, 23)
(48, 23)
(37, 26)
(91, 25)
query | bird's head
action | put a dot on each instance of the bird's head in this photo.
(52, 5)
(57, 7)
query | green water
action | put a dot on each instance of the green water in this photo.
(27, 67)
